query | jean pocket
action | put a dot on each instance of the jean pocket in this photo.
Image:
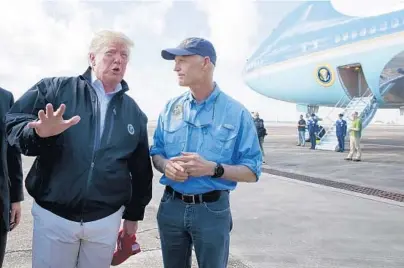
(220, 206)
(166, 197)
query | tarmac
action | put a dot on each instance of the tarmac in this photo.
(322, 212)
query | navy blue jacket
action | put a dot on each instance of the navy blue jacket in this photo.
(259, 125)
(340, 128)
(79, 175)
(312, 125)
(11, 176)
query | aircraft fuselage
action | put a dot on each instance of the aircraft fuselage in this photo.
(300, 62)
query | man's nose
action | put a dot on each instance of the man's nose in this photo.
(118, 58)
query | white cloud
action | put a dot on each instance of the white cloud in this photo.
(52, 39)
(141, 18)
(35, 44)
(364, 8)
(232, 27)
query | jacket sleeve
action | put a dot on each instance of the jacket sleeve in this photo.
(22, 138)
(142, 178)
(14, 167)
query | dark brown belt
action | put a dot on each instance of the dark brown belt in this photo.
(197, 198)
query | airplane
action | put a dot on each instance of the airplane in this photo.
(317, 56)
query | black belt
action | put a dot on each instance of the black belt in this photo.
(197, 198)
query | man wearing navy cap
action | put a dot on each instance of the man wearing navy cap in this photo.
(204, 144)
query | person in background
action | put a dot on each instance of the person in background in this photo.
(341, 129)
(11, 178)
(355, 131)
(261, 131)
(312, 126)
(301, 131)
(205, 144)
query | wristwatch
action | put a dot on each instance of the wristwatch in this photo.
(219, 170)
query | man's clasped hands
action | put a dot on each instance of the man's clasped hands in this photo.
(180, 168)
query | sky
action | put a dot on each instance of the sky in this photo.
(51, 38)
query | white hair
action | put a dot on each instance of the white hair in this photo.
(103, 38)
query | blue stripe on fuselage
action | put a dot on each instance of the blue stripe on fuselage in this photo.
(320, 28)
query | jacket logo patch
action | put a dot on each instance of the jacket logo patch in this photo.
(131, 129)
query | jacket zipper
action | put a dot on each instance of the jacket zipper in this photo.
(97, 141)
(113, 114)
(96, 138)
(111, 122)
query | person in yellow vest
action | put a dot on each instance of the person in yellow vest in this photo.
(355, 132)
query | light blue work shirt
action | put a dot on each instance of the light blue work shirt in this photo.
(103, 98)
(219, 129)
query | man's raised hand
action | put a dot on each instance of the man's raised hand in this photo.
(52, 123)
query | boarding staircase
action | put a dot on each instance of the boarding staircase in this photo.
(366, 106)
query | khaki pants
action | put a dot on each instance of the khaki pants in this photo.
(355, 147)
(60, 243)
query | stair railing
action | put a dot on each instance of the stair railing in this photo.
(364, 98)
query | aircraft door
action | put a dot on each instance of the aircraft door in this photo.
(353, 80)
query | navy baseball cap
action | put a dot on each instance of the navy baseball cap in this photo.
(191, 46)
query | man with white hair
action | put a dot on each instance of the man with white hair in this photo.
(92, 165)
(205, 143)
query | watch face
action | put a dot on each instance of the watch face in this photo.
(219, 170)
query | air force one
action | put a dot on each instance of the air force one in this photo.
(320, 57)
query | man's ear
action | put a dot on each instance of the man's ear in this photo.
(91, 57)
(206, 63)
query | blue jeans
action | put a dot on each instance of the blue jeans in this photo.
(302, 137)
(206, 226)
(261, 140)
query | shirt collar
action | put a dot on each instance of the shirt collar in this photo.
(98, 84)
(208, 102)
